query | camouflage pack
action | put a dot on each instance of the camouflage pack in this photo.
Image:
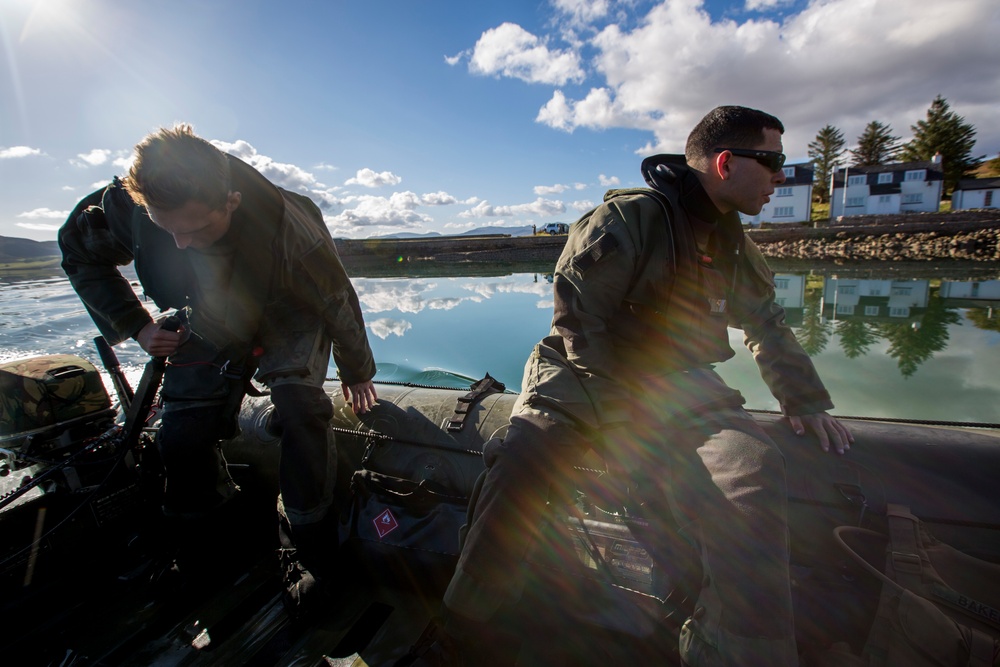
(38, 393)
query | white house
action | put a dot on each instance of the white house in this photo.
(874, 299)
(790, 294)
(976, 193)
(972, 290)
(791, 201)
(902, 187)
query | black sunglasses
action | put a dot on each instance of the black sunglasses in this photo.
(773, 160)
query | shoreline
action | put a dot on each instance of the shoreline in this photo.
(922, 238)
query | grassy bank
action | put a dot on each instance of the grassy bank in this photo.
(21, 267)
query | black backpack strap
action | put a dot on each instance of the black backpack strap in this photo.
(488, 385)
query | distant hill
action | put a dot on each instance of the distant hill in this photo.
(479, 231)
(13, 249)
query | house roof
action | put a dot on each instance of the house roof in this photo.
(978, 183)
(803, 174)
(897, 169)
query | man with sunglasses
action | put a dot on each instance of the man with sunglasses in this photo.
(644, 291)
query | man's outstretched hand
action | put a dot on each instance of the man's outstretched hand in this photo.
(827, 428)
(361, 396)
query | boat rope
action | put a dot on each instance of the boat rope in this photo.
(897, 420)
(378, 435)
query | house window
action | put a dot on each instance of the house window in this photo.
(884, 199)
(988, 199)
(871, 311)
(848, 289)
(855, 202)
(780, 301)
(874, 291)
(843, 309)
(901, 291)
(781, 283)
(899, 311)
(784, 211)
(913, 198)
(857, 180)
(783, 192)
(885, 177)
(915, 175)
(789, 172)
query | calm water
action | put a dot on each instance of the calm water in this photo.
(887, 344)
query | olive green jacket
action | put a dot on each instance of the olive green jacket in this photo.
(283, 253)
(642, 306)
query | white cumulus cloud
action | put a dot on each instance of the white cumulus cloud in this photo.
(839, 62)
(94, 158)
(288, 176)
(372, 179)
(18, 152)
(511, 51)
(37, 213)
(540, 207)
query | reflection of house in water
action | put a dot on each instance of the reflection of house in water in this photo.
(790, 294)
(971, 293)
(887, 300)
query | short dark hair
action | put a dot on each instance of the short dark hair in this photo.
(728, 127)
(174, 166)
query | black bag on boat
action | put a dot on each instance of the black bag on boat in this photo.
(938, 606)
(410, 495)
(405, 531)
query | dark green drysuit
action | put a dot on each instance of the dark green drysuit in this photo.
(645, 291)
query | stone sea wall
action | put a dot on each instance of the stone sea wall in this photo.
(963, 236)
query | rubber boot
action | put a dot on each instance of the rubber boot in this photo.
(307, 557)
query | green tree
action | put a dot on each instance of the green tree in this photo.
(876, 145)
(984, 318)
(856, 337)
(913, 343)
(945, 132)
(826, 151)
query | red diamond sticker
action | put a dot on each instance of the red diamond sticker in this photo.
(385, 523)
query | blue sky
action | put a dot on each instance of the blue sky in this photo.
(449, 115)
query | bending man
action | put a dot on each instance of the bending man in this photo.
(266, 289)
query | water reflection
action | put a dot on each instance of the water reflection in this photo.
(913, 316)
(920, 344)
(909, 343)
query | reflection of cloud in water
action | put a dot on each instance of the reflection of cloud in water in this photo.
(545, 304)
(386, 326)
(444, 304)
(381, 296)
(487, 290)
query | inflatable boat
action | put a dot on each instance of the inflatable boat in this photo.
(81, 532)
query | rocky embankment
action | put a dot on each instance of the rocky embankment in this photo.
(893, 238)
